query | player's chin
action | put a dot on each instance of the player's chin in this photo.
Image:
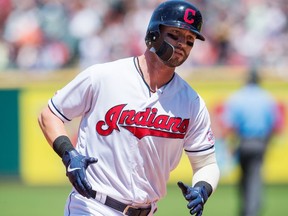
(176, 61)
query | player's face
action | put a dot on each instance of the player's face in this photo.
(182, 40)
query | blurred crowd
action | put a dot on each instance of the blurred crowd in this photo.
(53, 34)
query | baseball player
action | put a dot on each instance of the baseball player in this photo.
(138, 116)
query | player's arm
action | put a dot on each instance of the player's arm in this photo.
(205, 169)
(205, 179)
(76, 164)
(51, 126)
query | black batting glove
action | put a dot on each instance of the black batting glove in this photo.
(76, 165)
(196, 197)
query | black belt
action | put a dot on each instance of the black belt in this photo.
(126, 209)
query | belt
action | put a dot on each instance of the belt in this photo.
(124, 208)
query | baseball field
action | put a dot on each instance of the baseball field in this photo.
(17, 199)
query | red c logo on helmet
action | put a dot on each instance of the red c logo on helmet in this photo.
(186, 15)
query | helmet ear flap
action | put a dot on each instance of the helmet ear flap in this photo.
(152, 38)
(158, 45)
(165, 51)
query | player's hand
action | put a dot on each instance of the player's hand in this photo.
(196, 197)
(76, 165)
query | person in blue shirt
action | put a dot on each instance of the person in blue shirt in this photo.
(251, 114)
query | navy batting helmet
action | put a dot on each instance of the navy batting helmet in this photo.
(174, 13)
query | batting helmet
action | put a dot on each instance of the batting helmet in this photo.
(174, 13)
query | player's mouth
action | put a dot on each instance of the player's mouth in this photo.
(179, 52)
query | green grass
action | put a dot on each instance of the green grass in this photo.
(17, 199)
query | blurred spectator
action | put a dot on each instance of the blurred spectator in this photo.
(52, 34)
(22, 31)
(85, 26)
(5, 10)
(251, 114)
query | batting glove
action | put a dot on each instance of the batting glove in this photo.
(76, 165)
(196, 196)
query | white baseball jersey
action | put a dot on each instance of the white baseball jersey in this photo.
(138, 137)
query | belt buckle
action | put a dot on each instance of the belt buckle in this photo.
(127, 208)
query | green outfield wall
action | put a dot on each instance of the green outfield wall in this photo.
(9, 132)
(25, 152)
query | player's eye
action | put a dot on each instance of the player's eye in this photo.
(172, 36)
(190, 43)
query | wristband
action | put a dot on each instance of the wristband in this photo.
(62, 144)
(207, 186)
